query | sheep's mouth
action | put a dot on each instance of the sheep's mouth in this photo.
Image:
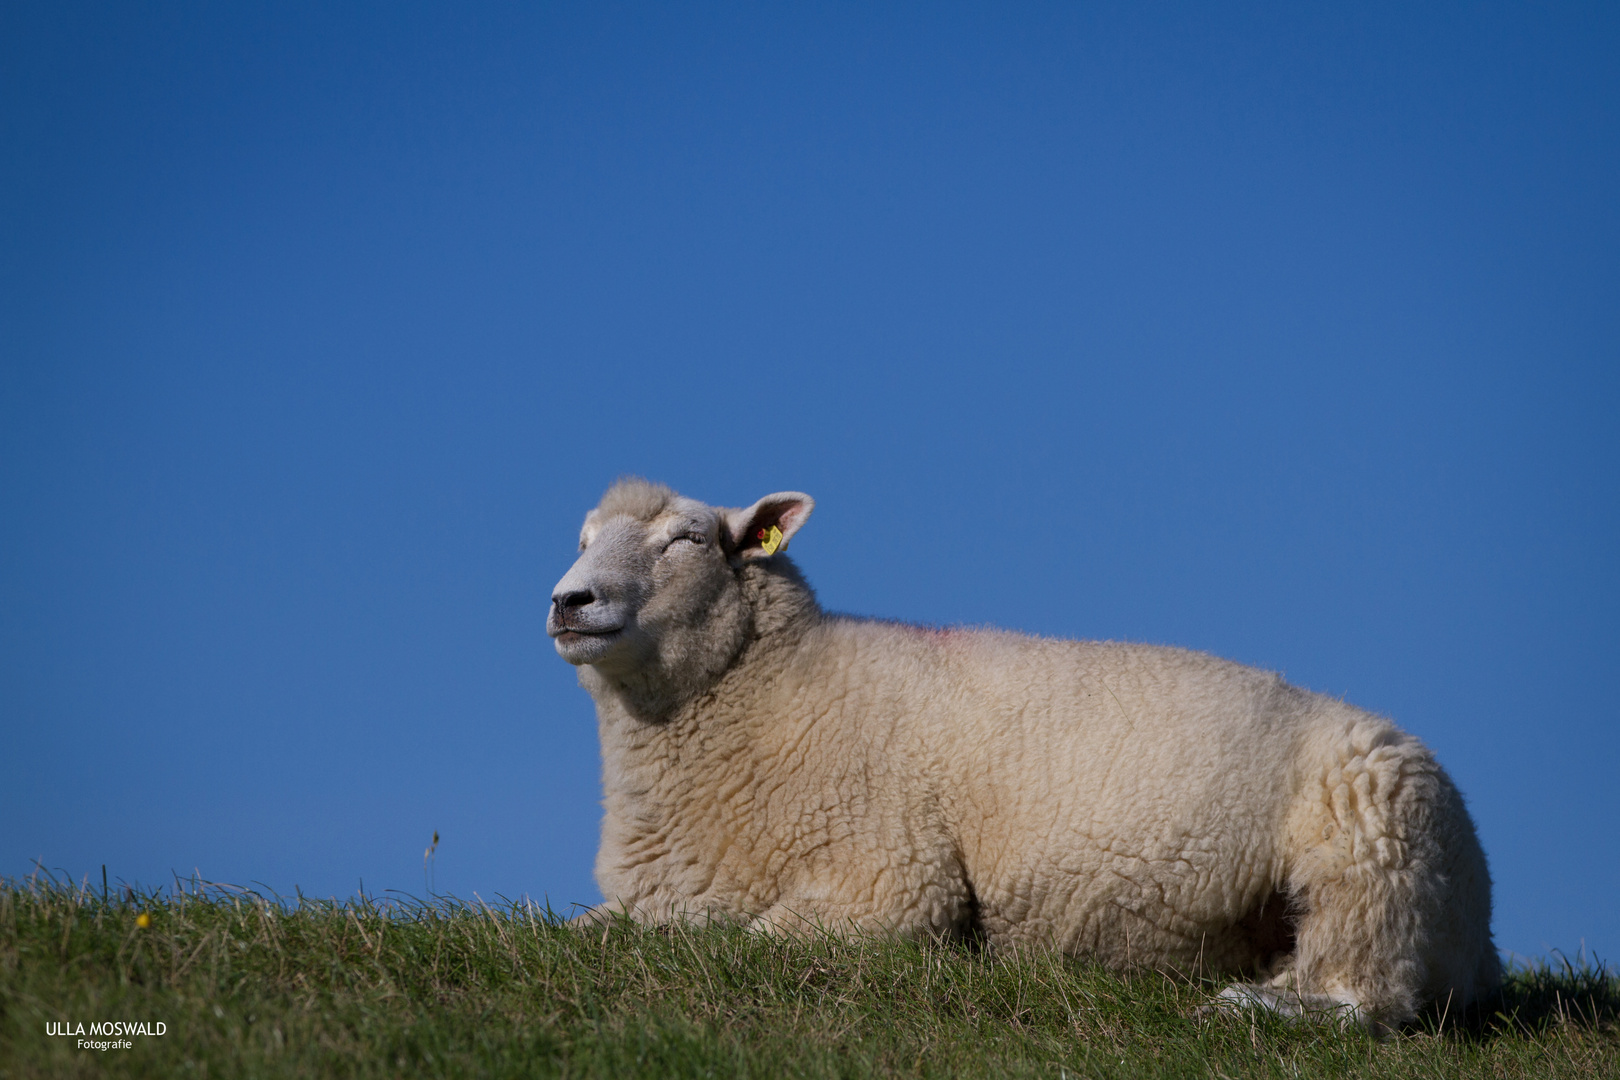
(567, 632)
(587, 645)
(574, 633)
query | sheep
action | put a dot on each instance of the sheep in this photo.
(766, 761)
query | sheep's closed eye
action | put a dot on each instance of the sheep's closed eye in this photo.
(691, 538)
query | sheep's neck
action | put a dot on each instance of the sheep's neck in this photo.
(660, 777)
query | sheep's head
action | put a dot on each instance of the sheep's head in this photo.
(655, 603)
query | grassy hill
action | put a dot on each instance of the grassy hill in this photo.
(249, 987)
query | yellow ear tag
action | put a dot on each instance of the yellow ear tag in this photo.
(771, 540)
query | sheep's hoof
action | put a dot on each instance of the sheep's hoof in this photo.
(1241, 998)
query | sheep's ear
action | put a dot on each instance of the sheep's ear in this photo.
(750, 532)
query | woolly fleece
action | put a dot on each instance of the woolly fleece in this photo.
(1147, 806)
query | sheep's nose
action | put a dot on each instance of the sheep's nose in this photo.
(572, 601)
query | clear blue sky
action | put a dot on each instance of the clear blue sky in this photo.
(1287, 332)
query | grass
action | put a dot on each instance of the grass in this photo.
(249, 986)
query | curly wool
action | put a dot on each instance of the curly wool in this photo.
(1143, 805)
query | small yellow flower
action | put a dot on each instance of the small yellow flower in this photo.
(143, 920)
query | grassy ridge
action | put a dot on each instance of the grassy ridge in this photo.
(249, 987)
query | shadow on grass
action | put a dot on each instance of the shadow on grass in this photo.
(1540, 997)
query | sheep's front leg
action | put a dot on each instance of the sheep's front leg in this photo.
(919, 899)
(603, 914)
(781, 920)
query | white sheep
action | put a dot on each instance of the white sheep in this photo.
(768, 761)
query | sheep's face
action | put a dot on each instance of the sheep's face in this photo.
(655, 594)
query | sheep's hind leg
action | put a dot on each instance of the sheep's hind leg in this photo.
(1393, 894)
